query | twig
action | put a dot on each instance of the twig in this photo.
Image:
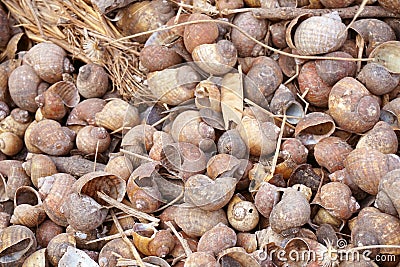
(127, 209)
(183, 241)
(132, 248)
(112, 237)
(278, 147)
(359, 11)
(136, 155)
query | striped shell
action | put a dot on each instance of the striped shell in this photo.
(319, 35)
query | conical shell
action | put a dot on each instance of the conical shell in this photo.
(91, 140)
(67, 92)
(119, 166)
(242, 215)
(17, 122)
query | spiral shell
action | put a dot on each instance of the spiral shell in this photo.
(377, 79)
(242, 214)
(91, 140)
(387, 199)
(46, 231)
(58, 246)
(17, 122)
(382, 138)
(330, 153)
(331, 71)
(200, 33)
(84, 113)
(10, 143)
(92, 81)
(217, 239)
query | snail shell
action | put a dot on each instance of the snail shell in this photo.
(208, 194)
(199, 33)
(284, 102)
(173, 86)
(56, 188)
(49, 61)
(46, 231)
(143, 198)
(331, 71)
(330, 153)
(17, 243)
(39, 166)
(58, 247)
(228, 4)
(51, 105)
(116, 115)
(51, 138)
(119, 166)
(160, 139)
(242, 214)
(318, 35)
(382, 138)
(17, 122)
(387, 200)
(215, 59)
(391, 5)
(38, 258)
(84, 113)
(91, 140)
(257, 28)
(92, 81)
(10, 144)
(110, 252)
(28, 208)
(352, 107)
(266, 198)
(231, 143)
(220, 164)
(390, 112)
(217, 239)
(367, 166)
(158, 57)
(198, 259)
(24, 90)
(336, 3)
(4, 29)
(377, 79)
(295, 149)
(284, 218)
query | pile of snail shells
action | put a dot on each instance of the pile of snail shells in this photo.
(237, 155)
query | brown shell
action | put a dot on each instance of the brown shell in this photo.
(331, 71)
(352, 107)
(49, 61)
(314, 127)
(158, 57)
(266, 198)
(199, 33)
(46, 231)
(198, 259)
(143, 198)
(27, 212)
(208, 194)
(337, 199)
(383, 227)
(51, 105)
(162, 244)
(248, 241)
(119, 166)
(242, 215)
(217, 239)
(144, 16)
(23, 91)
(41, 166)
(231, 143)
(195, 221)
(221, 163)
(6, 68)
(27, 139)
(295, 149)
(367, 166)
(284, 218)
(391, 5)
(387, 200)
(259, 137)
(257, 28)
(390, 113)
(317, 90)
(374, 32)
(10, 143)
(58, 246)
(173, 86)
(37, 259)
(284, 102)
(387, 55)
(278, 34)
(160, 139)
(228, 4)
(13, 170)
(17, 243)
(51, 138)
(319, 35)
(84, 113)
(330, 153)
(17, 122)
(382, 138)
(377, 79)
(215, 59)
(109, 254)
(100, 181)
(91, 140)
(56, 188)
(92, 81)
(4, 29)
(336, 3)
(116, 115)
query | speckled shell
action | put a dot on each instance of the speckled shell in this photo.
(17, 243)
(158, 57)
(84, 113)
(198, 259)
(23, 91)
(217, 239)
(377, 79)
(17, 122)
(46, 231)
(319, 35)
(382, 138)
(391, 5)
(388, 200)
(199, 33)
(314, 127)
(242, 215)
(208, 194)
(367, 166)
(336, 3)
(160, 139)
(51, 138)
(195, 221)
(173, 86)
(215, 59)
(92, 81)
(295, 149)
(330, 153)
(352, 107)
(331, 71)
(117, 114)
(49, 61)
(37, 259)
(51, 105)
(231, 143)
(257, 28)
(91, 139)
(266, 198)
(56, 188)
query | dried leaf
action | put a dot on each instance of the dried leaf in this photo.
(232, 98)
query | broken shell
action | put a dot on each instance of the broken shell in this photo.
(387, 55)
(330, 153)
(382, 138)
(314, 127)
(377, 79)
(36, 259)
(74, 256)
(10, 143)
(110, 252)
(91, 140)
(387, 199)
(390, 113)
(92, 81)
(248, 241)
(58, 246)
(352, 107)
(49, 61)
(162, 244)
(215, 59)
(219, 164)
(144, 198)
(119, 166)
(284, 102)
(217, 239)
(117, 115)
(242, 214)
(84, 113)
(199, 33)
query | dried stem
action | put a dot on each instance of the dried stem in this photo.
(183, 241)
